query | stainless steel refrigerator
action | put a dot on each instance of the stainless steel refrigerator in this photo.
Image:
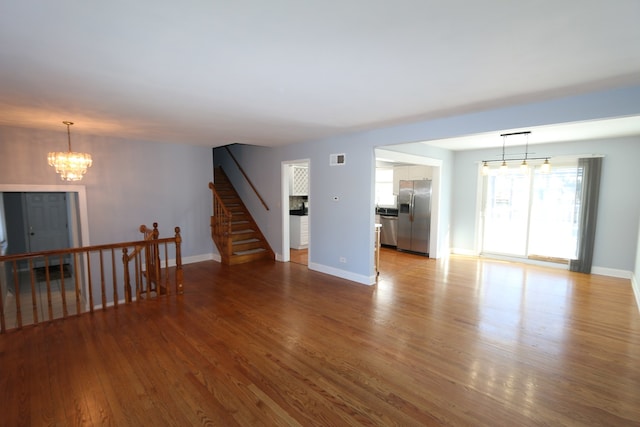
(414, 216)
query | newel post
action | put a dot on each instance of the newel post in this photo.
(179, 288)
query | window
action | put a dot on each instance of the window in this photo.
(531, 214)
(384, 187)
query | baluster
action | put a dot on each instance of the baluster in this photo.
(63, 294)
(48, 279)
(167, 285)
(76, 270)
(90, 282)
(34, 300)
(3, 326)
(179, 289)
(127, 280)
(102, 284)
(113, 275)
(16, 285)
(138, 267)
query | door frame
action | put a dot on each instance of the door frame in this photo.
(80, 222)
(435, 251)
(285, 186)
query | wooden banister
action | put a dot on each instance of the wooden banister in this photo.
(247, 178)
(220, 223)
(78, 265)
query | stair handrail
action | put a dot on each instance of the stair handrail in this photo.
(149, 234)
(152, 264)
(246, 177)
(81, 258)
(221, 223)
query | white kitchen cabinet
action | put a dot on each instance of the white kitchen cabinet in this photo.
(299, 180)
(298, 231)
(401, 173)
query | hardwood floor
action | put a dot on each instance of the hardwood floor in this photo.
(299, 256)
(460, 341)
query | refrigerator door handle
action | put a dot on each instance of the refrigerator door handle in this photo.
(411, 206)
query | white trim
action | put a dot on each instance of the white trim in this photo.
(193, 259)
(285, 178)
(611, 272)
(636, 289)
(82, 201)
(343, 274)
(436, 248)
(603, 271)
(82, 207)
(466, 252)
(397, 156)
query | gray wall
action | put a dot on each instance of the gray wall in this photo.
(619, 205)
(344, 228)
(636, 272)
(130, 183)
(177, 176)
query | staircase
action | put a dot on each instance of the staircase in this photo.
(233, 229)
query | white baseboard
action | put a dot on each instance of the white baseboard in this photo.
(198, 258)
(466, 252)
(195, 258)
(343, 274)
(636, 289)
(611, 272)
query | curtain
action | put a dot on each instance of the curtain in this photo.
(589, 170)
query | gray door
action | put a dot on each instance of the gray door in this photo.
(46, 221)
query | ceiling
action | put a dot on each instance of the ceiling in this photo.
(282, 71)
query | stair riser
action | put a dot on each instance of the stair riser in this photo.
(245, 236)
(248, 246)
(242, 259)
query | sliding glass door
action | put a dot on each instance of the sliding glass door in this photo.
(506, 213)
(531, 214)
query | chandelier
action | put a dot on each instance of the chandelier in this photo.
(70, 165)
(524, 166)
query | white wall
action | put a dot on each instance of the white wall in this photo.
(635, 279)
(619, 203)
(130, 183)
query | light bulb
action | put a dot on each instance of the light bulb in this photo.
(546, 166)
(485, 168)
(504, 167)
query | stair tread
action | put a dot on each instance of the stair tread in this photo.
(250, 251)
(241, 242)
(246, 230)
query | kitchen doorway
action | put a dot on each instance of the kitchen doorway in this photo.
(296, 211)
(438, 244)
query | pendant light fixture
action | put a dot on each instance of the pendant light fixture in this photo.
(524, 166)
(69, 164)
(503, 167)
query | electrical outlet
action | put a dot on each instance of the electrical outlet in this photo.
(343, 260)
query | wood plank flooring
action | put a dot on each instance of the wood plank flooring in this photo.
(460, 341)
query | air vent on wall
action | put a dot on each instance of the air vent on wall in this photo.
(337, 159)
